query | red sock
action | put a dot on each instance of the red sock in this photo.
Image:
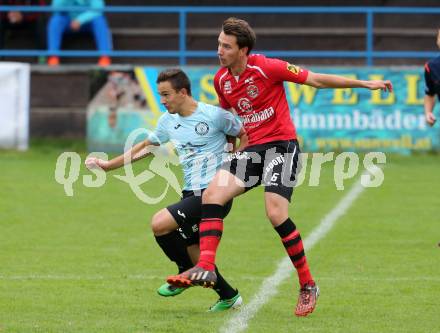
(210, 234)
(294, 246)
(295, 250)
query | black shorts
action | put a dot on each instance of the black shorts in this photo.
(187, 213)
(273, 164)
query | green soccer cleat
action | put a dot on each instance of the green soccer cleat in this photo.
(226, 304)
(167, 290)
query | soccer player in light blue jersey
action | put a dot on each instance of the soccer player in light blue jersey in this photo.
(199, 133)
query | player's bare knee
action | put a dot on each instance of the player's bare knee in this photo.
(276, 215)
(159, 225)
(210, 197)
(272, 215)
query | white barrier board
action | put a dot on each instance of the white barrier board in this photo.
(14, 105)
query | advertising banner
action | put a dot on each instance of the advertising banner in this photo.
(326, 119)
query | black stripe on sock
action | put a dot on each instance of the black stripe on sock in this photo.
(212, 211)
(292, 242)
(297, 257)
(212, 232)
(286, 228)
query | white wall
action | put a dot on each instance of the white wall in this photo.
(14, 105)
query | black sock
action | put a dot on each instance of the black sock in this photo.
(174, 246)
(223, 288)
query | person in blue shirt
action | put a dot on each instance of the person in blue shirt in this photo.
(199, 133)
(432, 83)
(91, 21)
(14, 20)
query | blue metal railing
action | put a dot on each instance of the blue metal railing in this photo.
(183, 53)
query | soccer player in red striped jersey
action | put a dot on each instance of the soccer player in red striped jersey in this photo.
(252, 86)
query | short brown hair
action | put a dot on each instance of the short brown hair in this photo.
(242, 31)
(177, 78)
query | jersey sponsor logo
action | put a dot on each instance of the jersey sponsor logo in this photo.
(252, 91)
(245, 105)
(227, 87)
(249, 80)
(258, 116)
(202, 128)
(293, 68)
(276, 161)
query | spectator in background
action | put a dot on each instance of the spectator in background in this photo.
(15, 20)
(91, 20)
(432, 81)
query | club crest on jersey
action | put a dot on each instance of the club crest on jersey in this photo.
(245, 105)
(201, 128)
(252, 91)
(294, 69)
(227, 87)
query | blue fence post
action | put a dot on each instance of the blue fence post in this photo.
(369, 39)
(182, 54)
(182, 37)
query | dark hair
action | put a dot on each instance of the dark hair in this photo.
(177, 78)
(242, 31)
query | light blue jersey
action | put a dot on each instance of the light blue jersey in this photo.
(200, 141)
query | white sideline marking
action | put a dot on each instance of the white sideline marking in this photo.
(239, 321)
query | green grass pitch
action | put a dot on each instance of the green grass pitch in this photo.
(89, 263)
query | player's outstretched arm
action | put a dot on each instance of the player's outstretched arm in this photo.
(137, 152)
(319, 80)
(429, 102)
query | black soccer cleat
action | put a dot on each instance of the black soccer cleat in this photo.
(195, 276)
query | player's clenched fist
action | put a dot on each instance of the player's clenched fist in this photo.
(94, 163)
